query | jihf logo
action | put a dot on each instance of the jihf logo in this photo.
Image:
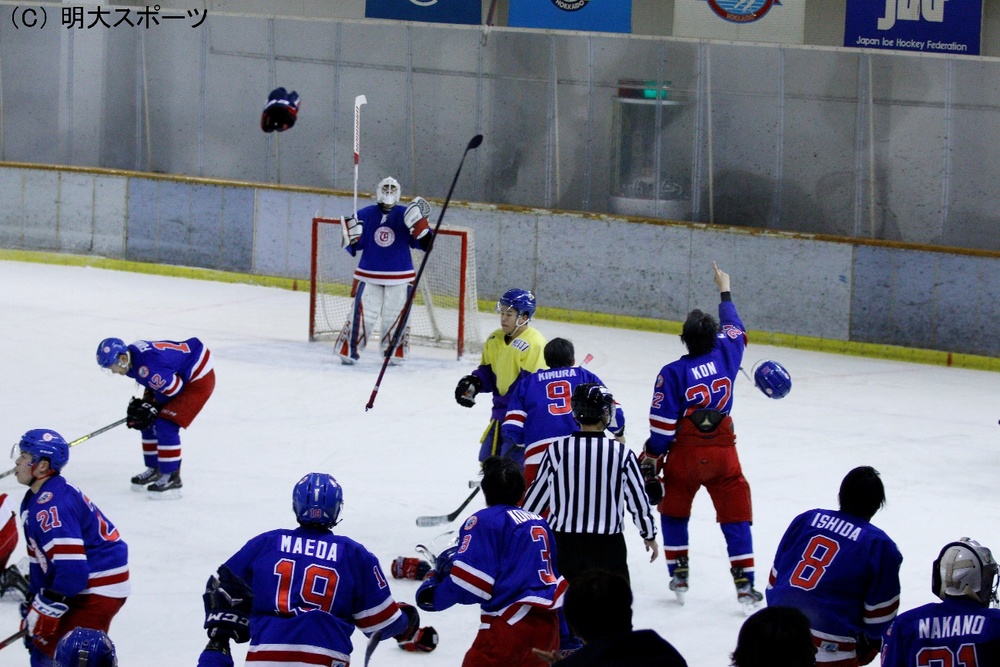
(743, 11)
(911, 10)
(570, 5)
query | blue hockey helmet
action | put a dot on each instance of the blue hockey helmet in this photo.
(42, 443)
(86, 647)
(520, 299)
(772, 379)
(317, 500)
(109, 350)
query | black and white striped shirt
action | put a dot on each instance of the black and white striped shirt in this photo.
(587, 480)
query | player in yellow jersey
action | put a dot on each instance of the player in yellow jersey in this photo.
(514, 347)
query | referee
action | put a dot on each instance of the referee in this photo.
(586, 481)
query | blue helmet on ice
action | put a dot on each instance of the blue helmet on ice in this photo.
(108, 351)
(772, 379)
(42, 443)
(86, 647)
(521, 300)
(317, 500)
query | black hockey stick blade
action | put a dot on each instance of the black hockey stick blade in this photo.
(372, 645)
(425, 521)
(13, 638)
(405, 313)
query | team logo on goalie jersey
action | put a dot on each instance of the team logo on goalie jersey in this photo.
(742, 11)
(570, 5)
(385, 237)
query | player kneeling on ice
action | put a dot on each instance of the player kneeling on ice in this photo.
(179, 379)
(383, 233)
(296, 594)
(79, 574)
(504, 562)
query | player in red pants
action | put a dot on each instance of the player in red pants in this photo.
(13, 584)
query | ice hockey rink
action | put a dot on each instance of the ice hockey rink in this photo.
(284, 407)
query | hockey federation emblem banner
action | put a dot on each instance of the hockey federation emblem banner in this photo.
(434, 11)
(591, 15)
(931, 26)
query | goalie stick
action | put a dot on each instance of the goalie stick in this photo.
(82, 438)
(424, 521)
(358, 101)
(405, 314)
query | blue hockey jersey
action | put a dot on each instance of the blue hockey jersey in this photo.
(692, 383)
(842, 572)
(311, 589)
(72, 547)
(957, 632)
(166, 366)
(539, 409)
(384, 246)
(505, 563)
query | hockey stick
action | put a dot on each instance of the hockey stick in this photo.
(77, 442)
(358, 101)
(424, 521)
(13, 638)
(373, 642)
(405, 315)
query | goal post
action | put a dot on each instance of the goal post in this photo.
(444, 311)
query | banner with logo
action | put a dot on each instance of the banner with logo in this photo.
(772, 21)
(434, 11)
(932, 26)
(590, 15)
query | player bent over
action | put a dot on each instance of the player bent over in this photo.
(383, 233)
(296, 594)
(179, 378)
(79, 574)
(514, 347)
(504, 562)
(962, 629)
(689, 418)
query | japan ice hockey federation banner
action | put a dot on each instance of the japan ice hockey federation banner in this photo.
(590, 15)
(932, 26)
(435, 11)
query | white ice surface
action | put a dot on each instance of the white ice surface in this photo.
(284, 407)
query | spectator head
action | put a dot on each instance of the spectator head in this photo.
(862, 493)
(775, 637)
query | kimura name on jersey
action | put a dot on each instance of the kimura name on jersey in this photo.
(309, 547)
(837, 526)
(556, 374)
(950, 626)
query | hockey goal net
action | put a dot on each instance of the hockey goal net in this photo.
(445, 308)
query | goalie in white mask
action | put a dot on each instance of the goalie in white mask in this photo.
(383, 234)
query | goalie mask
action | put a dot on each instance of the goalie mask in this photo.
(965, 569)
(388, 193)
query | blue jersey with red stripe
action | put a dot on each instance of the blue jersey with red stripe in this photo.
(166, 366)
(539, 409)
(72, 547)
(958, 631)
(505, 563)
(311, 589)
(695, 382)
(840, 571)
(385, 247)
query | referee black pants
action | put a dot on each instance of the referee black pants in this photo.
(578, 552)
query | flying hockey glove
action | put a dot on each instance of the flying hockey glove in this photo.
(414, 638)
(228, 601)
(141, 414)
(281, 111)
(42, 619)
(465, 392)
(406, 567)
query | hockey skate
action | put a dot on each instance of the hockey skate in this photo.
(144, 479)
(746, 594)
(13, 585)
(679, 582)
(167, 487)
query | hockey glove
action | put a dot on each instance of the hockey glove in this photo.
(405, 567)
(227, 600)
(868, 649)
(350, 230)
(281, 111)
(42, 619)
(141, 414)
(650, 467)
(442, 568)
(415, 217)
(216, 654)
(465, 392)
